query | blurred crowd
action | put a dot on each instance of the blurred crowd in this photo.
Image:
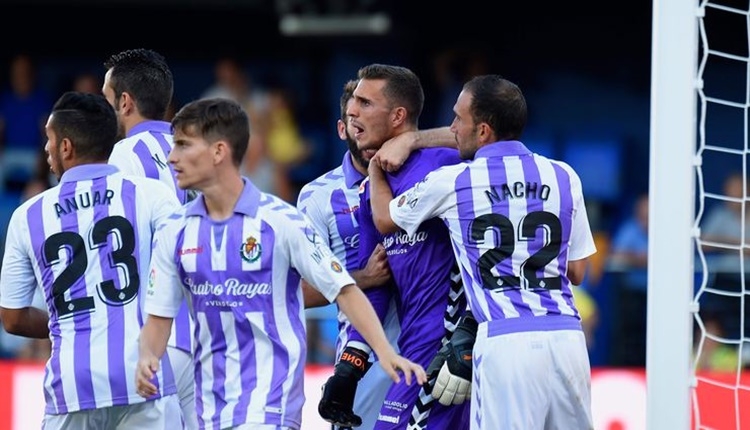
(284, 155)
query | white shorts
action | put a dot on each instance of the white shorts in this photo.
(531, 380)
(159, 414)
(184, 374)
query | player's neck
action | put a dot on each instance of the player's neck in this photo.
(222, 195)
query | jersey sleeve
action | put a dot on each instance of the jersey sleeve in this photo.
(167, 205)
(164, 293)
(581, 239)
(314, 260)
(17, 281)
(311, 209)
(427, 199)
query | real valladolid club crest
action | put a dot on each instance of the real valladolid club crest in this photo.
(250, 250)
(336, 266)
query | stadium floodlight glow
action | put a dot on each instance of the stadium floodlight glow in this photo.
(376, 24)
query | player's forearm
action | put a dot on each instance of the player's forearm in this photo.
(364, 281)
(380, 198)
(27, 322)
(440, 137)
(312, 297)
(356, 306)
(154, 336)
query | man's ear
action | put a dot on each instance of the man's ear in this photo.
(220, 151)
(67, 149)
(398, 116)
(126, 103)
(485, 133)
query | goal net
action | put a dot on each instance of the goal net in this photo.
(699, 240)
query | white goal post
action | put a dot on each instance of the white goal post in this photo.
(671, 213)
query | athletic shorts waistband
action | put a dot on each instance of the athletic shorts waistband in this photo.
(541, 323)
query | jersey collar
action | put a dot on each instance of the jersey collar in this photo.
(84, 172)
(502, 148)
(352, 177)
(150, 125)
(247, 204)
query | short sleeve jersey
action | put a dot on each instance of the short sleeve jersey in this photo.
(87, 244)
(515, 218)
(241, 277)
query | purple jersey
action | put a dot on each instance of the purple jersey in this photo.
(87, 244)
(429, 292)
(515, 219)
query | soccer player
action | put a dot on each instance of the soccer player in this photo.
(239, 254)
(388, 101)
(139, 85)
(87, 244)
(521, 236)
(331, 202)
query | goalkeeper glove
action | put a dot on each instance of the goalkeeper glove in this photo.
(453, 383)
(337, 403)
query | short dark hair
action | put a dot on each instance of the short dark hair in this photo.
(216, 119)
(346, 95)
(499, 103)
(145, 75)
(89, 121)
(402, 87)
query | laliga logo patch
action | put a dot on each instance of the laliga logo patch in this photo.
(336, 266)
(151, 282)
(250, 250)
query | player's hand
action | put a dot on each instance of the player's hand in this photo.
(394, 363)
(396, 150)
(434, 368)
(145, 372)
(451, 389)
(337, 402)
(376, 271)
(453, 383)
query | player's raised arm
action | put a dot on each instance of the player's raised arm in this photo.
(355, 305)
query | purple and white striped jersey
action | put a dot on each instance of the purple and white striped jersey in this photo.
(515, 220)
(144, 153)
(331, 202)
(87, 244)
(242, 280)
